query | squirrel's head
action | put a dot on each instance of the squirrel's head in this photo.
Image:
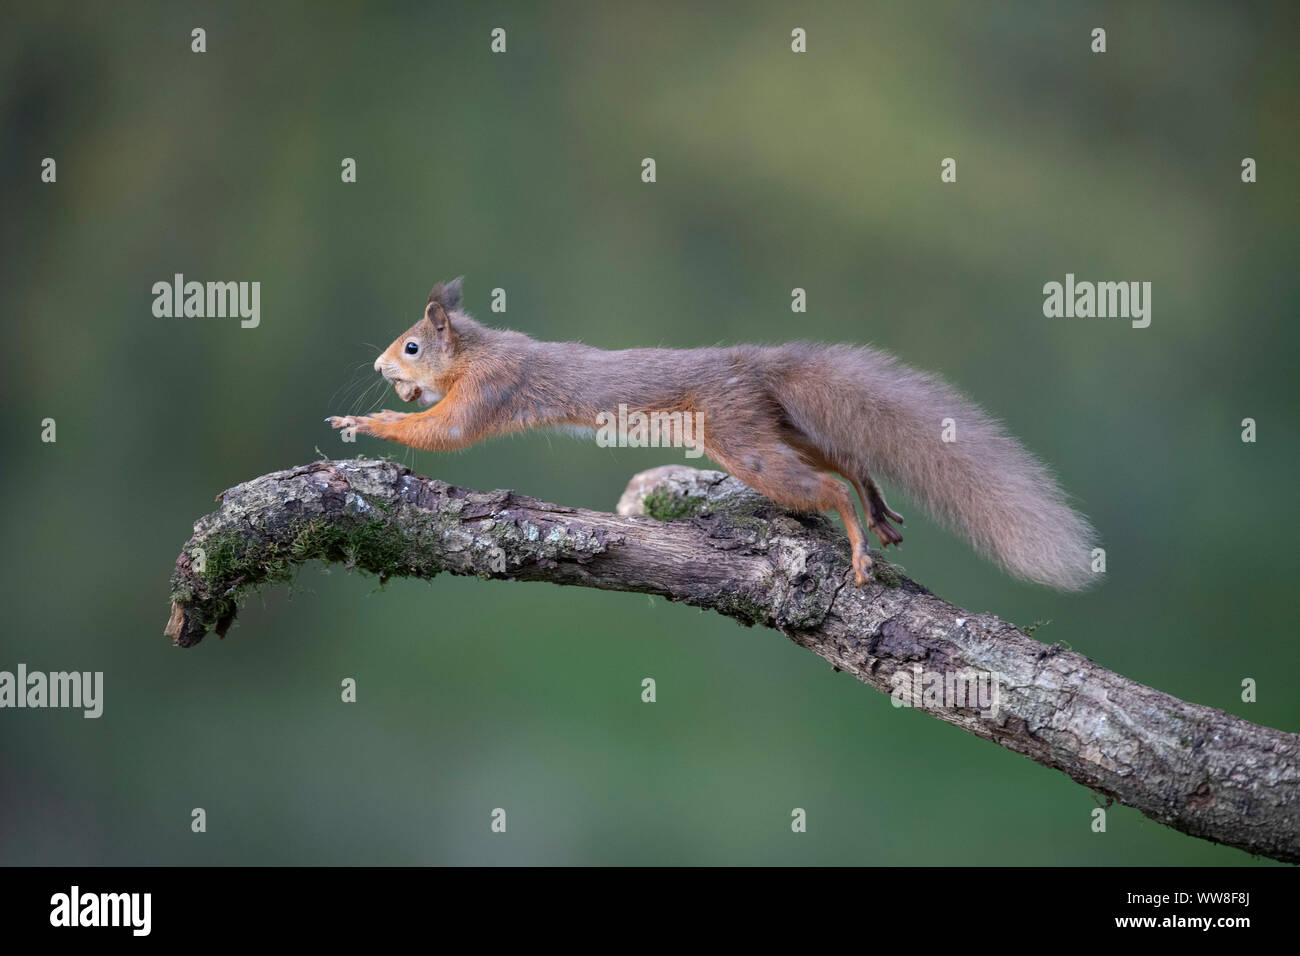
(419, 361)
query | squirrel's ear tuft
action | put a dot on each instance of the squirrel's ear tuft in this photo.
(447, 295)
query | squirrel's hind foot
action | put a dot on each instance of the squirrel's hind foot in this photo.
(885, 531)
(879, 515)
(862, 568)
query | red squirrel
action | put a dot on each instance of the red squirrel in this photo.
(783, 419)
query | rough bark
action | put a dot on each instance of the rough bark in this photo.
(705, 539)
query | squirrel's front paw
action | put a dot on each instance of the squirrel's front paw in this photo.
(360, 424)
(367, 424)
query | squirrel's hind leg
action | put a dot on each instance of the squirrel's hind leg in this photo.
(781, 474)
(878, 512)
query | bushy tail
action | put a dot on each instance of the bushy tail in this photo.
(884, 418)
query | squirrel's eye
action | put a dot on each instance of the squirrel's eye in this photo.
(412, 348)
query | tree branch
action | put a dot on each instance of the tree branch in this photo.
(1193, 768)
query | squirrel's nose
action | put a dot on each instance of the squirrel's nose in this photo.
(379, 365)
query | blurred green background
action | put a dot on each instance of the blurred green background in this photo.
(522, 171)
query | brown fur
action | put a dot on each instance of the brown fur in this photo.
(780, 419)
